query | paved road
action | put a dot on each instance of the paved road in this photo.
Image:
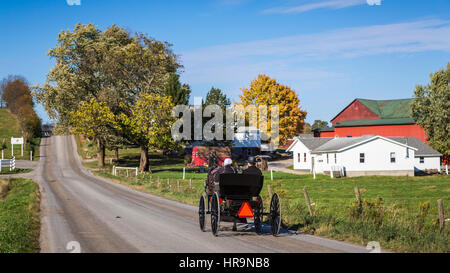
(106, 217)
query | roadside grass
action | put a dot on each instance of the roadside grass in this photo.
(398, 212)
(15, 171)
(9, 127)
(19, 217)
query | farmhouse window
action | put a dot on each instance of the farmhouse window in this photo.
(304, 157)
(335, 159)
(362, 158)
(392, 157)
(422, 159)
(298, 157)
(328, 161)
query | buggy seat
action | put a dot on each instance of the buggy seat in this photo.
(240, 186)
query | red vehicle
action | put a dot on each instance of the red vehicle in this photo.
(200, 155)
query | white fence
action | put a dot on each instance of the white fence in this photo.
(8, 163)
(115, 168)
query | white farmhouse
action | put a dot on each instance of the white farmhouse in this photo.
(365, 155)
(426, 158)
(301, 149)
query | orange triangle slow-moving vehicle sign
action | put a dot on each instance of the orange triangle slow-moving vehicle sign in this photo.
(245, 211)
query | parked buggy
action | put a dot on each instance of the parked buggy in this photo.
(237, 197)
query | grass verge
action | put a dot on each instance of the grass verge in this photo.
(15, 171)
(19, 217)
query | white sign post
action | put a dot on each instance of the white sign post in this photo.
(18, 141)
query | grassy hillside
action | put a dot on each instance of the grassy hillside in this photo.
(9, 127)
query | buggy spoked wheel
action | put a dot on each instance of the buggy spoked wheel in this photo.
(275, 214)
(258, 218)
(202, 213)
(215, 214)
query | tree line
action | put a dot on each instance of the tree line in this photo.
(119, 88)
(16, 94)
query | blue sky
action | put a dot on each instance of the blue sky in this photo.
(328, 51)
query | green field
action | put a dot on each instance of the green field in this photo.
(19, 217)
(9, 127)
(399, 212)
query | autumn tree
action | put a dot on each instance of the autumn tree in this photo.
(17, 96)
(150, 124)
(431, 109)
(112, 66)
(94, 119)
(266, 91)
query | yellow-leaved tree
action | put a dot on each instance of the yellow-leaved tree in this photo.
(95, 119)
(264, 90)
(149, 125)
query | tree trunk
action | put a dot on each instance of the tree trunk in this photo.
(143, 164)
(116, 153)
(101, 154)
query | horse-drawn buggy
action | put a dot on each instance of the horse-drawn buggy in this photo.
(236, 198)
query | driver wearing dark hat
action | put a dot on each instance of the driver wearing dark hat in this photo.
(252, 169)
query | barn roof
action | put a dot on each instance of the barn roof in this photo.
(388, 109)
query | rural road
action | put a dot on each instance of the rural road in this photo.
(102, 216)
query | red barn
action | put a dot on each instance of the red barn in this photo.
(200, 154)
(377, 117)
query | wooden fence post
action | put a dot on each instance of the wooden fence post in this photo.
(168, 183)
(151, 182)
(178, 185)
(441, 215)
(159, 182)
(358, 198)
(308, 203)
(269, 189)
(190, 183)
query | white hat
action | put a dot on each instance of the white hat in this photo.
(227, 161)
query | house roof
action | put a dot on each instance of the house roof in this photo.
(338, 144)
(384, 121)
(422, 148)
(310, 143)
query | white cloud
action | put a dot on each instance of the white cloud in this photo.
(328, 4)
(73, 2)
(374, 2)
(285, 56)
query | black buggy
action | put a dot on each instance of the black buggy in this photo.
(236, 197)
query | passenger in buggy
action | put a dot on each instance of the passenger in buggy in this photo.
(252, 169)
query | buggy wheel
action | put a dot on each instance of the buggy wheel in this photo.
(215, 214)
(275, 214)
(202, 213)
(258, 218)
